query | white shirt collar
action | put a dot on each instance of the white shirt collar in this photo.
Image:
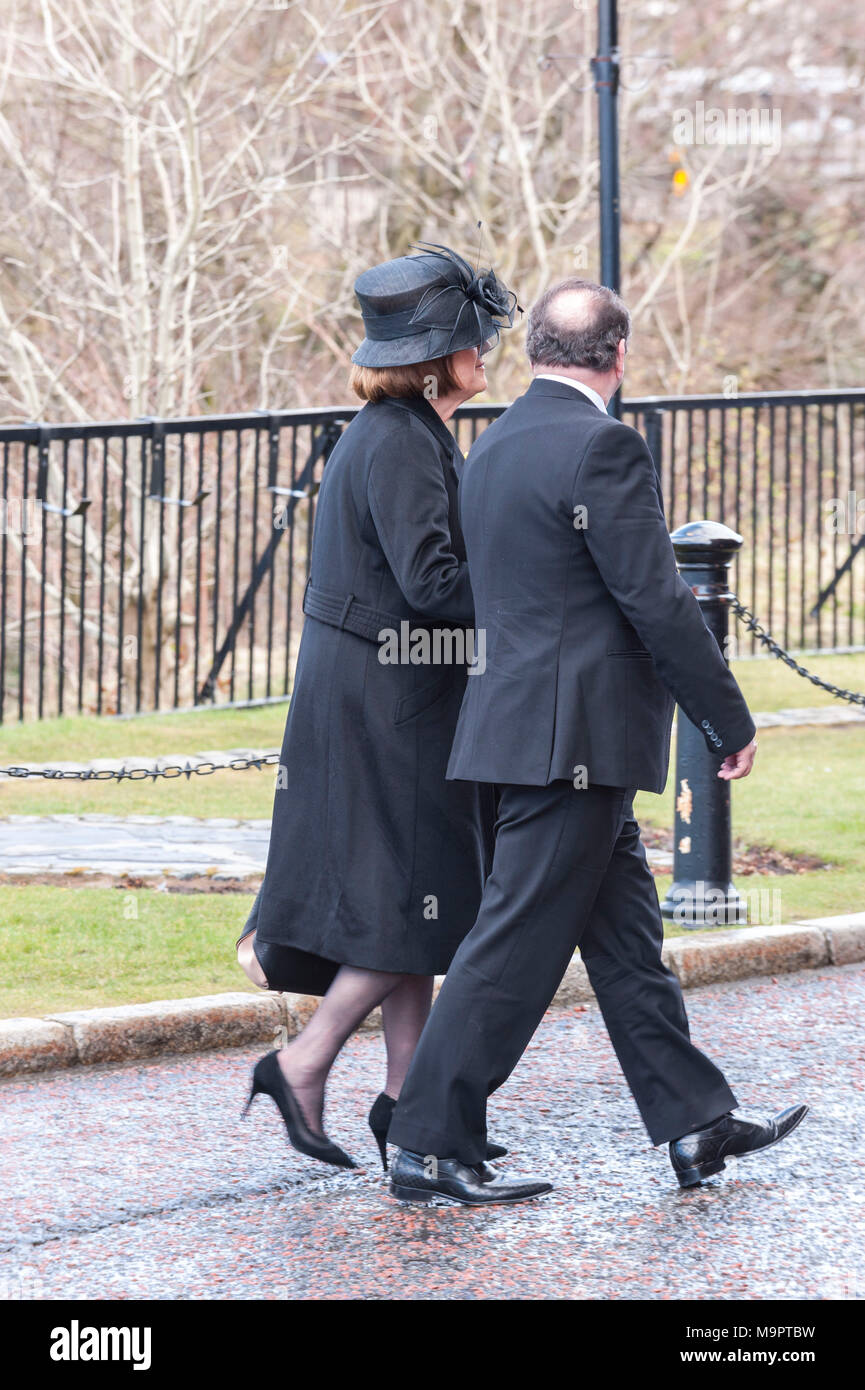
(577, 385)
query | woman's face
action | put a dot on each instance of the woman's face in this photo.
(468, 368)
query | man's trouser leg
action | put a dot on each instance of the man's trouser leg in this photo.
(552, 848)
(676, 1087)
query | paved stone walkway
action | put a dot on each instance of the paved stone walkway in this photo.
(147, 846)
(143, 846)
(800, 718)
(140, 1181)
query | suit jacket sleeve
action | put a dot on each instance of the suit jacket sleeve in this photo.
(627, 537)
(408, 501)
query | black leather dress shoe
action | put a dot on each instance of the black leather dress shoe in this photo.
(701, 1154)
(476, 1186)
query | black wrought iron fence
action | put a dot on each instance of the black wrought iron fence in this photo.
(155, 564)
(787, 471)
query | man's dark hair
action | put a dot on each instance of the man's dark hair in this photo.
(559, 337)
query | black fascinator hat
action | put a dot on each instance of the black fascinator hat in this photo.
(417, 308)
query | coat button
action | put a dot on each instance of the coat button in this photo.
(705, 724)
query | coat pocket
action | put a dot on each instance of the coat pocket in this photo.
(419, 700)
(624, 641)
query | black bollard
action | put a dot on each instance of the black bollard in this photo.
(702, 893)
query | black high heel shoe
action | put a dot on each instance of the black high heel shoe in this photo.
(267, 1076)
(380, 1117)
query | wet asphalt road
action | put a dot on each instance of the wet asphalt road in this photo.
(140, 1181)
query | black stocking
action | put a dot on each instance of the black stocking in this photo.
(404, 1013)
(309, 1057)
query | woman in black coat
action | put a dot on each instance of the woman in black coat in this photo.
(376, 862)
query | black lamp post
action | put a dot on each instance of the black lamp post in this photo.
(605, 67)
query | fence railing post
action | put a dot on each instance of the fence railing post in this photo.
(702, 893)
(653, 424)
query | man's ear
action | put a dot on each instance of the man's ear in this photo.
(620, 358)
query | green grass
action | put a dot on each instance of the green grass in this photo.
(79, 738)
(83, 947)
(83, 736)
(768, 684)
(79, 948)
(806, 795)
(245, 795)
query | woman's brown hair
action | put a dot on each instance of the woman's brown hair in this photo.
(431, 379)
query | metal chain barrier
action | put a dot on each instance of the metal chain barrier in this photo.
(138, 774)
(205, 769)
(747, 617)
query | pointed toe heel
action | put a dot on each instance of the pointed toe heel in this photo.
(379, 1119)
(268, 1078)
(254, 1089)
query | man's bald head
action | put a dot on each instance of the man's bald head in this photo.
(576, 323)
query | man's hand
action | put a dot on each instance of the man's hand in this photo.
(738, 764)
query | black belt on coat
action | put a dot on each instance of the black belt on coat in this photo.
(345, 612)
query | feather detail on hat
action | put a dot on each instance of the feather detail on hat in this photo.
(479, 290)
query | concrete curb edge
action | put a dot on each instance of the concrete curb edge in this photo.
(129, 1032)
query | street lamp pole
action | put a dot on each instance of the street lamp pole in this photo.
(606, 73)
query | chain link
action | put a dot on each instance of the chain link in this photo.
(747, 617)
(139, 774)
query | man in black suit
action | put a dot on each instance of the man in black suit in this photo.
(592, 636)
